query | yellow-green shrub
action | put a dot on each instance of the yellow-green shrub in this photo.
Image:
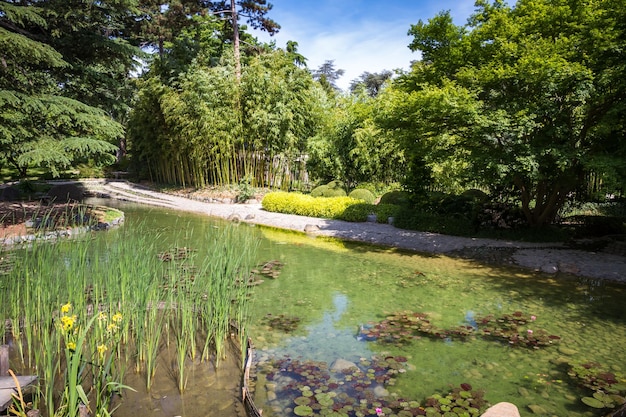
(305, 205)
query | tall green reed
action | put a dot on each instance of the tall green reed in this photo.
(197, 297)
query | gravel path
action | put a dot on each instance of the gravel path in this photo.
(549, 258)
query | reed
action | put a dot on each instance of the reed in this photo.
(191, 300)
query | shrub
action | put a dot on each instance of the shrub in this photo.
(328, 191)
(358, 212)
(411, 219)
(385, 211)
(399, 198)
(306, 205)
(362, 194)
(476, 195)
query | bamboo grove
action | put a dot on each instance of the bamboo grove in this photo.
(206, 127)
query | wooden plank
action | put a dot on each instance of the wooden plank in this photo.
(4, 360)
(7, 387)
(7, 382)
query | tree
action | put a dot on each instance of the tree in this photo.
(38, 125)
(205, 128)
(327, 75)
(372, 83)
(351, 148)
(255, 12)
(530, 98)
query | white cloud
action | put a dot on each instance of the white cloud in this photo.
(356, 38)
(371, 47)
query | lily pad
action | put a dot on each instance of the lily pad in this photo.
(593, 402)
(303, 410)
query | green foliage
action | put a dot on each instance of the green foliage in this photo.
(305, 205)
(246, 191)
(412, 219)
(362, 194)
(332, 189)
(350, 147)
(523, 100)
(386, 211)
(396, 197)
(358, 212)
(40, 125)
(211, 129)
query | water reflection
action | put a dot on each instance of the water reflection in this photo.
(325, 340)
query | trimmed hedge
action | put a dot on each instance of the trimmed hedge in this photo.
(362, 194)
(341, 208)
(306, 205)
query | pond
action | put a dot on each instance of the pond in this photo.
(324, 306)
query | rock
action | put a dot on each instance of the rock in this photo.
(250, 216)
(271, 396)
(341, 365)
(371, 218)
(235, 218)
(502, 410)
(549, 268)
(311, 228)
(380, 392)
(523, 392)
(537, 409)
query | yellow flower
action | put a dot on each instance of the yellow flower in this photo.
(65, 308)
(67, 322)
(111, 327)
(117, 317)
(71, 345)
(102, 317)
(102, 349)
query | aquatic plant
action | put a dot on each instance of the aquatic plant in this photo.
(356, 389)
(608, 389)
(513, 328)
(403, 327)
(170, 298)
(269, 269)
(281, 322)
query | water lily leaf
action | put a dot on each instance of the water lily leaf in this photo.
(303, 410)
(302, 400)
(593, 402)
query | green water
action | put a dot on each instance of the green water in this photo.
(335, 287)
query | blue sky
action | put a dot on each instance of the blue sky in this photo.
(359, 35)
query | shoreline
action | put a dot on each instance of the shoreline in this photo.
(551, 258)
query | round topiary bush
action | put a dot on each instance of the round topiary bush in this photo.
(329, 190)
(399, 198)
(319, 191)
(336, 184)
(362, 194)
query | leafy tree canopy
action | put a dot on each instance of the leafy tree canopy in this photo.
(527, 99)
(38, 124)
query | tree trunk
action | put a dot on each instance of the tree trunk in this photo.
(233, 13)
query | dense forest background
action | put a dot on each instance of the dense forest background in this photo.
(525, 102)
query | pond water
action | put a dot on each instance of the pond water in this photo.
(334, 291)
